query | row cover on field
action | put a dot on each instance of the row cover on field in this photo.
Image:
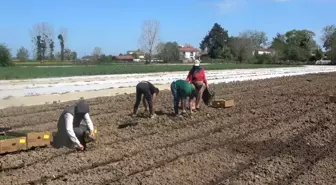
(89, 83)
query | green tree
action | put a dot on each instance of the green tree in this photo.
(317, 55)
(168, 52)
(226, 53)
(333, 51)
(329, 33)
(295, 45)
(5, 56)
(264, 58)
(74, 55)
(22, 54)
(112, 58)
(43, 48)
(301, 44)
(61, 39)
(69, 55)
(103, 58)
(279, 45)
(259, 38)
(215, 42)
(38, 44)
(51, 51)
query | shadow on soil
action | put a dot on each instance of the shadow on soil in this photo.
(128, 123)
(162, 113)
(39, 161)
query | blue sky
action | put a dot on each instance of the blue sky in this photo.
(115, 25)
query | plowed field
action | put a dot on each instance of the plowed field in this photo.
(281, 131)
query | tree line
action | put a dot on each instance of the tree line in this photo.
(44, 42)
(217, 44)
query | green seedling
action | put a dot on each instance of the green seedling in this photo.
(23, 131)
(6, 137)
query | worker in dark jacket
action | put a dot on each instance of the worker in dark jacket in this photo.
(73, 125)
(197, 77)
(149, 92)
(182, 90)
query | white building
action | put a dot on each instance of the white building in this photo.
(139, 54)
(188, 52)
(262, 51)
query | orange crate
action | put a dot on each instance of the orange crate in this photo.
(10, 144)
(34, 139)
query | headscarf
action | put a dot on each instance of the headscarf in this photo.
(82, 107)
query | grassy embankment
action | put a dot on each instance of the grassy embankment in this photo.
(34, 71)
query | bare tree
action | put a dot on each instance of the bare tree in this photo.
(97, 52)
(22, 54)
(329, 32)
(259, 38)
(160, 47)
(64, 33)
(187, 45)
(69, 54)
(42, 35)
(242, 47)
(149, 37)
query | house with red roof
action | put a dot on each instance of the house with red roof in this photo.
(125, 58)
(188, 52)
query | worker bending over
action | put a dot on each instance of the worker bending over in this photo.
(197, 77)
(73, 125)
(182, 90)
(149, 92)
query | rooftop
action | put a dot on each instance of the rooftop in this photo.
(188, 49)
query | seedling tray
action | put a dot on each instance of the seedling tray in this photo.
(10, 144)
(34, 139)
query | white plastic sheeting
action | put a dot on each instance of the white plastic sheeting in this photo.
(43, 86)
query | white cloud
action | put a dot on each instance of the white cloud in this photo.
(228, 6)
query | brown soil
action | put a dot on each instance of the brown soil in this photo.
(281, 131)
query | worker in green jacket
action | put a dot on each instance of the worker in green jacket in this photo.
(181, 90)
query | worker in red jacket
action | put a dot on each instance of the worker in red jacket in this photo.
(197, 77)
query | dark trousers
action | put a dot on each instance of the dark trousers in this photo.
(80, 134)
(176, 96)
(143, 89)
